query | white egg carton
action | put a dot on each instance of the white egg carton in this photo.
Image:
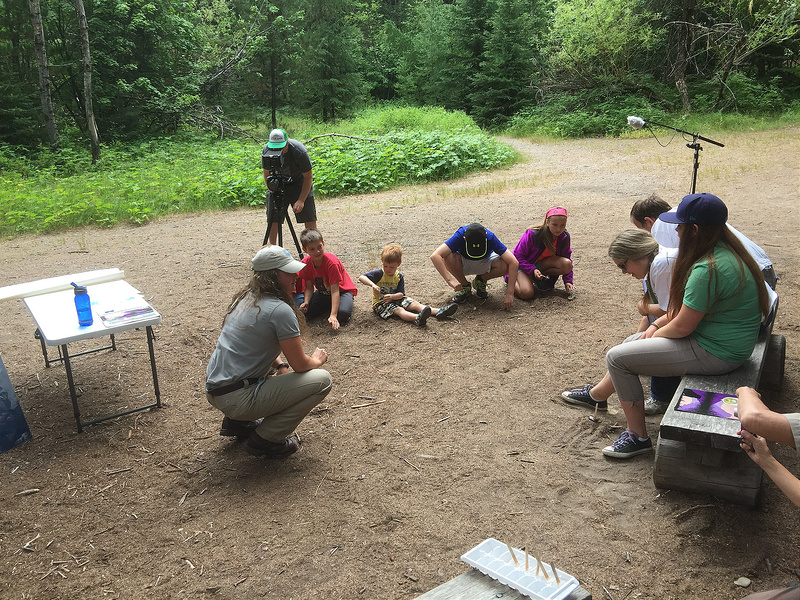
(493, 558)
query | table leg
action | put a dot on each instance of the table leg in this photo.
(71, 383)
(38, 335)
(150, 337)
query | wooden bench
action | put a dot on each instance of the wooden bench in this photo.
(700, 453)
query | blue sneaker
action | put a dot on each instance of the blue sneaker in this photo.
(582, 397)
(446, 311)
(422, 317)
(628, 445)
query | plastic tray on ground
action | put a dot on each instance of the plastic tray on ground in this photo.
(493, 558)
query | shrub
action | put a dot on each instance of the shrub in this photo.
(136, 182)
(589, 113)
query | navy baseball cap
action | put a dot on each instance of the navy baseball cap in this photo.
(477, 246)
(698, 209)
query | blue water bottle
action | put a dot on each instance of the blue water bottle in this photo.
(83, 305)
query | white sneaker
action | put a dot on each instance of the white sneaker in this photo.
(654, 407)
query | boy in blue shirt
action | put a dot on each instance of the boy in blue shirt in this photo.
(474, 250)
(389, 291)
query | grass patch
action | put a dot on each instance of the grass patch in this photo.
(594, 114)
(189, 173)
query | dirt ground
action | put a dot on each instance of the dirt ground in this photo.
(464, 437)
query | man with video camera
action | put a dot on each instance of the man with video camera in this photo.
(287, 173)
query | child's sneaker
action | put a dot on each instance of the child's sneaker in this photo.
(655, 407)
(463, 294)
(423, 316)
(628, 445)
(446, 311)
(480, 288)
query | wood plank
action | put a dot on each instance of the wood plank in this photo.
(774, 363)
(474, 585)
(688, 467)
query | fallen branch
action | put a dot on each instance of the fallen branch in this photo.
(115, 471)
(410, 464)
(368, 404)
(350, 137)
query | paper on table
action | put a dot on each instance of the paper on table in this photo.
(119, 311)
(130, 315)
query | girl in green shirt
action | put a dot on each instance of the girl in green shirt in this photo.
(717, 301)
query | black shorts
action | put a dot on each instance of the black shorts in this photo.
(307, 215)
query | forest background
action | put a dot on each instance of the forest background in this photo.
(423, 79)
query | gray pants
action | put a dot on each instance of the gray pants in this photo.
(662, 357)
(283, 401)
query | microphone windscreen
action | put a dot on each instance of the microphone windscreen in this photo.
(636, 122)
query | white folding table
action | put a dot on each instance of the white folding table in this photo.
(116, 306)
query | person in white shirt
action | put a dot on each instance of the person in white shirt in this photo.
(645, 215)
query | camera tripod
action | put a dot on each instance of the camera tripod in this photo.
(280, 211)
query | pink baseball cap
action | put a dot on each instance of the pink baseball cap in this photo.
(555, 211)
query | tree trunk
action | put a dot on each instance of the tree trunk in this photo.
(83, 27)
(683, 44)
(272, 83)
(44, 73)
(726, 71)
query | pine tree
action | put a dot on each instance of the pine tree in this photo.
(325, 73)
(503, 85)
(470, 25)
(425, 55)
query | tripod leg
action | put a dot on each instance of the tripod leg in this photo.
(696, 165)
(294, 235)
(269, 226)
(271, 220)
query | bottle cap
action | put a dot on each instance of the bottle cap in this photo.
(79, 289)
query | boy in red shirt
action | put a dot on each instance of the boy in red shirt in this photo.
(328, 287)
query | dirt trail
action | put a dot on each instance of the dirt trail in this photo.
(471, 441)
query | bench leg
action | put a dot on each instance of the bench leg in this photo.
(698, 469)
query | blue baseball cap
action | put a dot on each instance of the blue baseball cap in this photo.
(698, 209)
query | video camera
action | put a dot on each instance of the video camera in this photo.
(271, 161)
(276, 184)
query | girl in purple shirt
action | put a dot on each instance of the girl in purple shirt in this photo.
(544, 256)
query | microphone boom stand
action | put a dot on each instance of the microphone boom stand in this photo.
(694, 145)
